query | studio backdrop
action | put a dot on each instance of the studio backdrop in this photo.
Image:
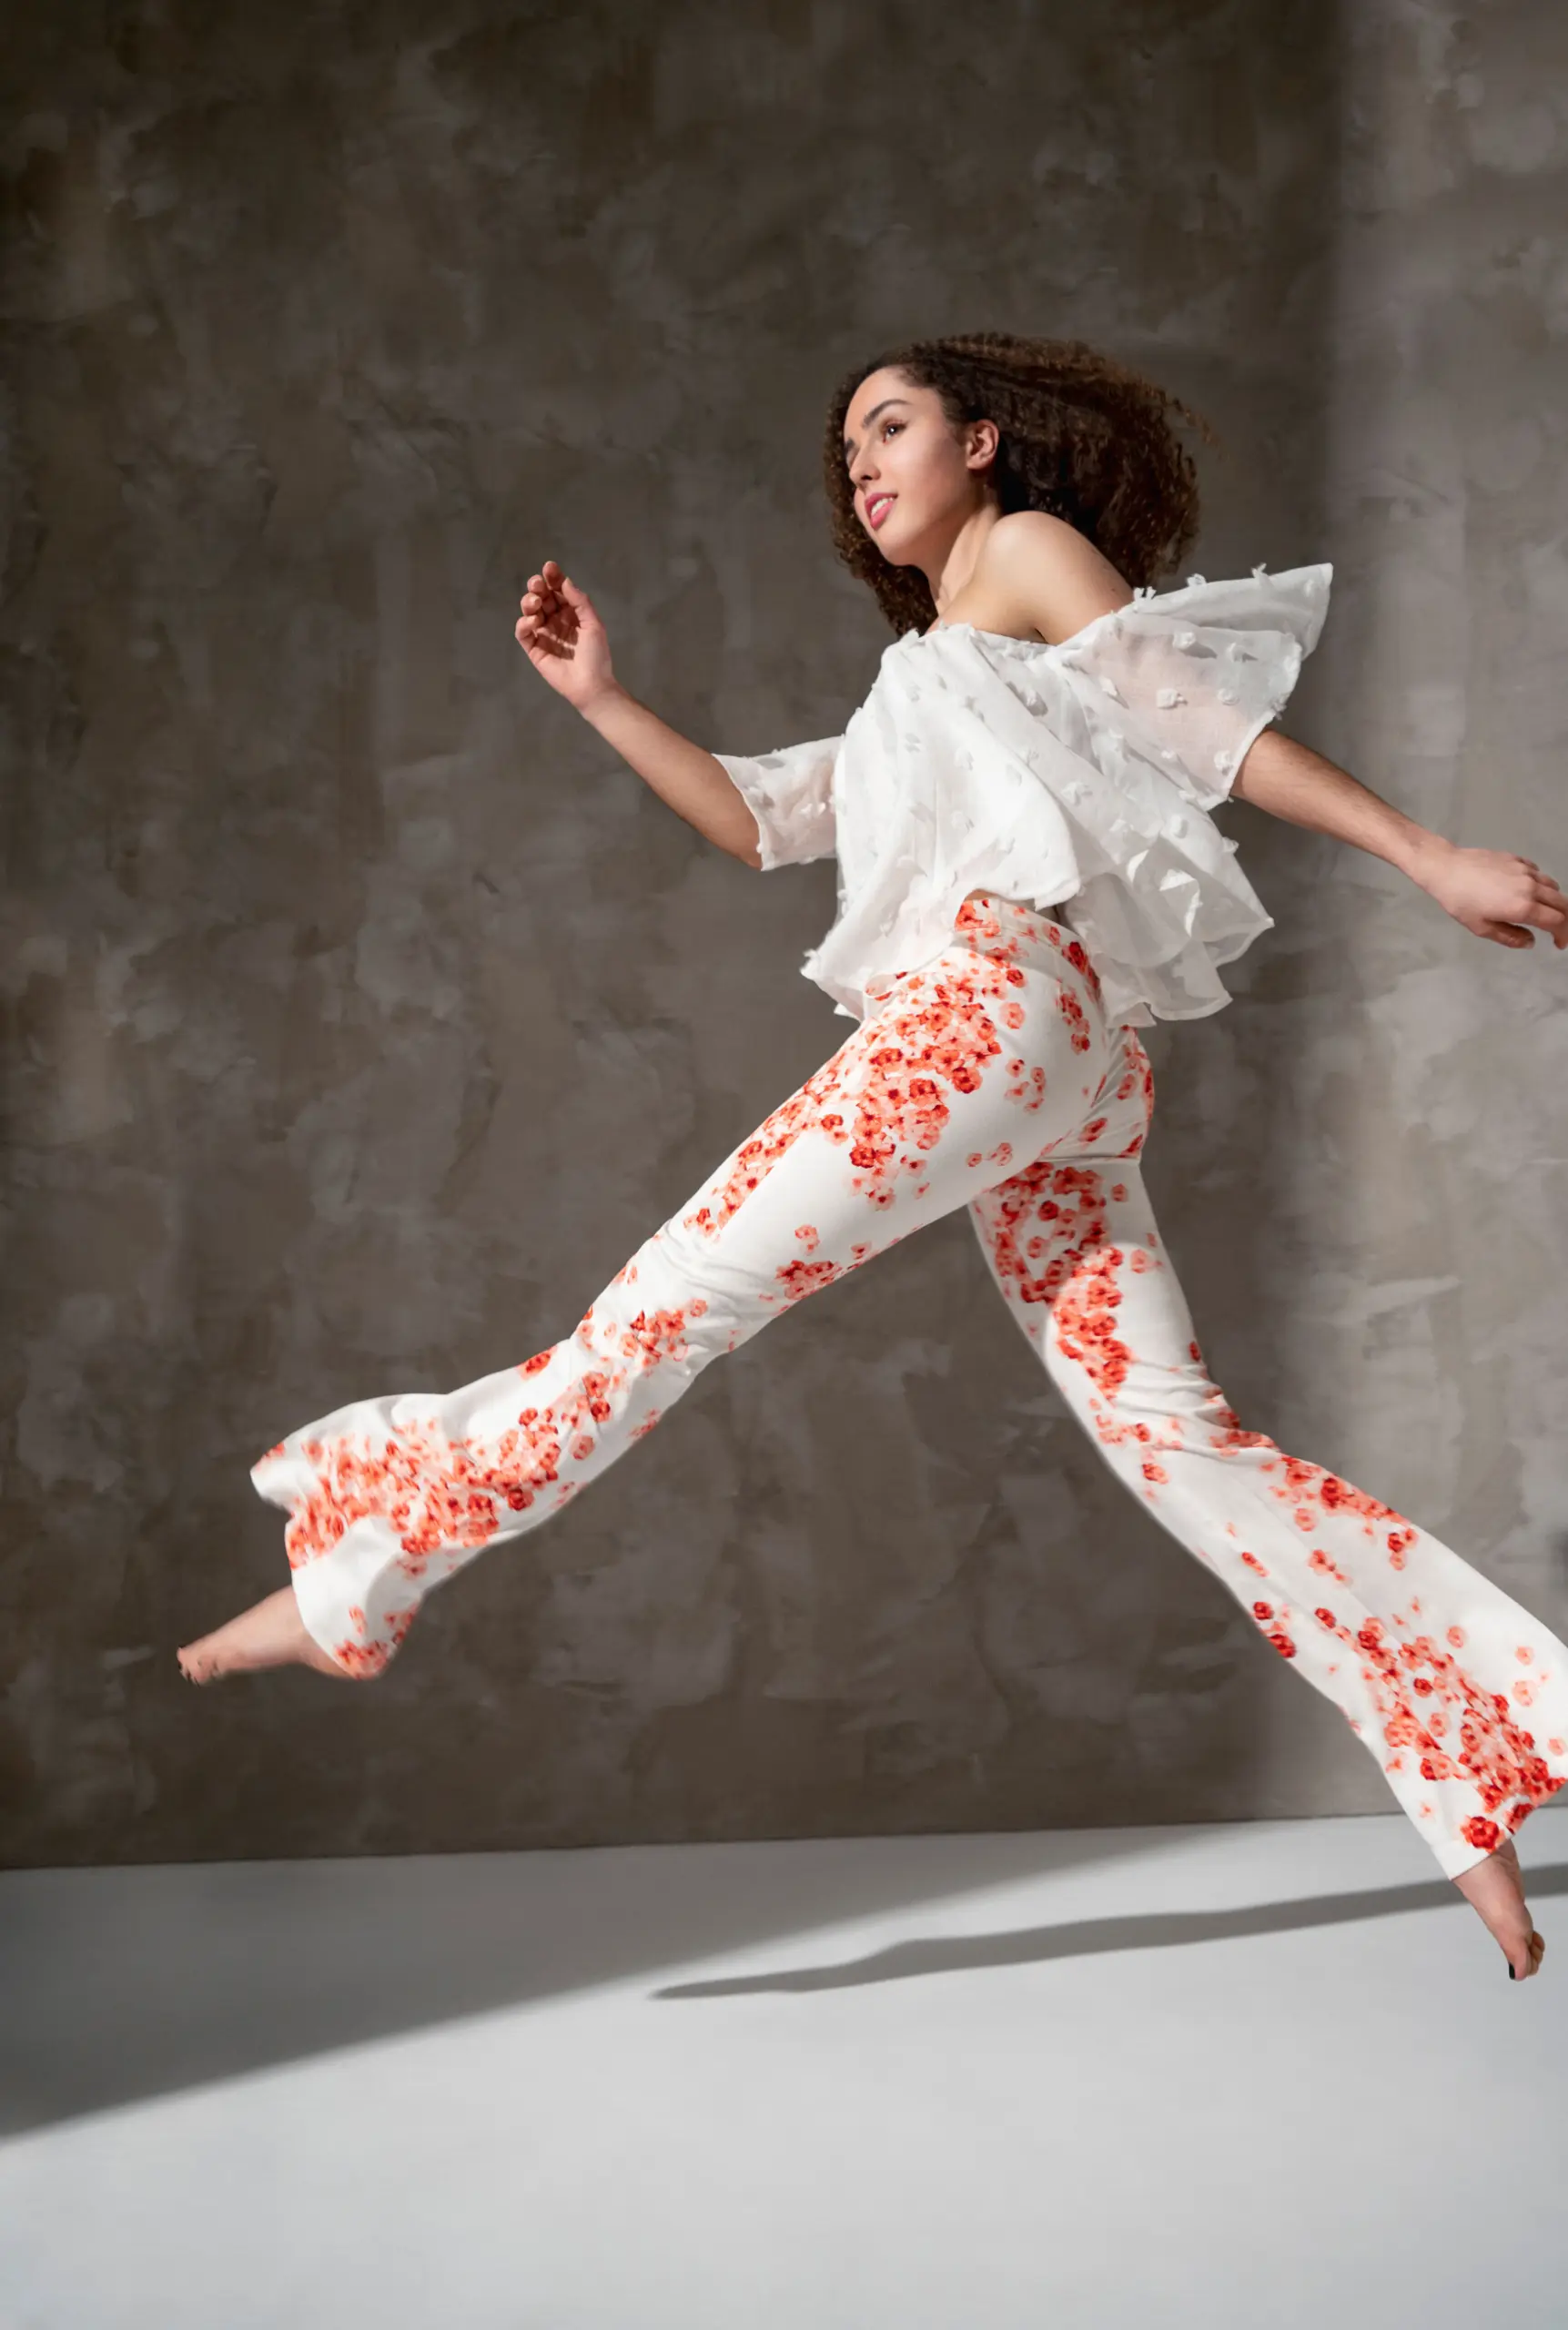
(364, 1011)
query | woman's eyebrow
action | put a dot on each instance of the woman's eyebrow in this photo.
(849, 441)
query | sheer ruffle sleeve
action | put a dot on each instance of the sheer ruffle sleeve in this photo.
(790, 793)
(1190, 677)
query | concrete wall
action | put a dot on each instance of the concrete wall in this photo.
(364, 1012)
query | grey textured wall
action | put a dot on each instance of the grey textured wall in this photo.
(364, 1012)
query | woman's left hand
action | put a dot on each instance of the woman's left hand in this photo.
(1496, 894)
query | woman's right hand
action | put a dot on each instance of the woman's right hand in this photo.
(562, 637)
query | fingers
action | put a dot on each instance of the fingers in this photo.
(545, 620)
(1542, 903)
(535, 639)
(1551, 907)
(1548, 912)
(543, 598)
(533, 629)
(548, 584)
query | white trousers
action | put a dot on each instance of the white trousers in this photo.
(989, 1078)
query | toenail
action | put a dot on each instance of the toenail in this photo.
(1511, 1974)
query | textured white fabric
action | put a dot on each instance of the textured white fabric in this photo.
(1077, 775)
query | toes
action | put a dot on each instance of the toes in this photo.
(1535, 1951)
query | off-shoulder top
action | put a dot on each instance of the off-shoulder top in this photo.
(1076, 775)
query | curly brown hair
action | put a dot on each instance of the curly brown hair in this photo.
(1079, 435)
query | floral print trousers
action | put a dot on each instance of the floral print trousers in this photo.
(987, 1078)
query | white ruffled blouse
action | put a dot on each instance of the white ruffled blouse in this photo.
(1076, 775)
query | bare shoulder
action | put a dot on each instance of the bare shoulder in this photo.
(1051, 576)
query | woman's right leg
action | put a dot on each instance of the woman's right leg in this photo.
(966, 1068)
(1460, 1692)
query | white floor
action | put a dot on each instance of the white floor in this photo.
(1270, 2075)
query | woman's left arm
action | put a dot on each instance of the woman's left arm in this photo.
(1491, 891)
(1047, 574)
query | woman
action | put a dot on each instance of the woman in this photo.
(1046, 730)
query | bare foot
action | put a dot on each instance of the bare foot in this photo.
(1495, 1887)
(269, 1634)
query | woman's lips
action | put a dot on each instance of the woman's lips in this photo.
(877, 508)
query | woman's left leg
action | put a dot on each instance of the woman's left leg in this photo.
(1460, 1694)
(977, 1058)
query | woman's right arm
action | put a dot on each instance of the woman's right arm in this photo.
(692, 781)
(771, 809)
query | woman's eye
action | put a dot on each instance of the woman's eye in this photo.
(887, 425)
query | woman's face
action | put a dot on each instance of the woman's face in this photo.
(914, 483)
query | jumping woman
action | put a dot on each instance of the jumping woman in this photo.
(1046, 731)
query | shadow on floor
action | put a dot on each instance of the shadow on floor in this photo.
(1035, 1945)
(120, 1984)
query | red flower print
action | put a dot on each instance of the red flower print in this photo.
(883, 1095)
(801, 1279)
(1078, 1280)
(1494, 1755)
(438, 1494)
(1233, 1436)
(360, 1661)
(364, 1659)
(1073, 1012)
(661, 1334)
(1333, 1495)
